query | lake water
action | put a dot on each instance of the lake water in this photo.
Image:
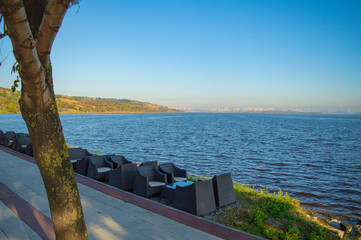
(315, 158)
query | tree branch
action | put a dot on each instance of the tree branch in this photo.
(19, 31)
(52, 19)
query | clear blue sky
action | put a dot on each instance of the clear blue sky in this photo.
(209, 53)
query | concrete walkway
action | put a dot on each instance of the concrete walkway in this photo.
(109, 213)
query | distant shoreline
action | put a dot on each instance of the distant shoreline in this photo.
(256, 113)
(9, 103)
(76, 104)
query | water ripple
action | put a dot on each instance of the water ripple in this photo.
(315, 158)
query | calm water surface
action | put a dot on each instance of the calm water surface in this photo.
(315, 158)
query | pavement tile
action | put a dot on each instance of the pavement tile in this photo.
(11, 227)
(99, 232)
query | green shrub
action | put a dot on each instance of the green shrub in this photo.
(269, 215)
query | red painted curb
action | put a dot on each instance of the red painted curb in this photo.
(35, 219)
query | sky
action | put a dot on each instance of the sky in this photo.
(203, 54)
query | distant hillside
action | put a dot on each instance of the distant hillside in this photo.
(67, 104)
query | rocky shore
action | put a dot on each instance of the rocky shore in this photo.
(343, 229)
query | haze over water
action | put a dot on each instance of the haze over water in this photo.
(315, 158)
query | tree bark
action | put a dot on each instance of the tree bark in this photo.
(51, 155)
(39, 110)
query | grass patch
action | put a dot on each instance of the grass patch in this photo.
(268, 215)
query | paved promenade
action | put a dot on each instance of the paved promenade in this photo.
(109, 213)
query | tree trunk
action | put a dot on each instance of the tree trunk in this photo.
(51, 155)
(39, 110)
